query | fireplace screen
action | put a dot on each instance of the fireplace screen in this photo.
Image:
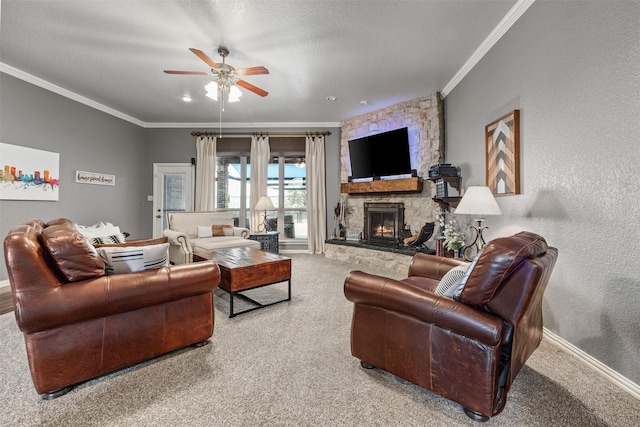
(384, 223)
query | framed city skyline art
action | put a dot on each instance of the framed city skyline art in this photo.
(28, 173)
(502, 147)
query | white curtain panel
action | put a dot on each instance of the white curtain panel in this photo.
(316, 200)
(205, 173)
(260, 153)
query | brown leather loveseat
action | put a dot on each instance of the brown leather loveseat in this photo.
(79, 323)
(468, 348)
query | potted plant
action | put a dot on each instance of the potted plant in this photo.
(453, 238)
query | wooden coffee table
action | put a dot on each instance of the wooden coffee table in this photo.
(242, 269)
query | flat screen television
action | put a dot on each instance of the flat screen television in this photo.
(380, 155)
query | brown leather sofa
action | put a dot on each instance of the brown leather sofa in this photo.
(468, 348)
(79, 323)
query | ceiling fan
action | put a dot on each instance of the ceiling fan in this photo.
(228, 77)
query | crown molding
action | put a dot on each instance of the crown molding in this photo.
(248, 125)
(37, 81)
(503, 26)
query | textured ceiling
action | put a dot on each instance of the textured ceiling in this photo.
(114, 52)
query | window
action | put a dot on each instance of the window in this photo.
(232, 187)
(286, 185)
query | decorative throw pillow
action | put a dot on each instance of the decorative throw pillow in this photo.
(452, 277)
(61, 221)
(129, 259)
(457, 290)
(71, 252)
(221, 230)
(106, 240)
(102, 233)
(136, 242)
(205, 231)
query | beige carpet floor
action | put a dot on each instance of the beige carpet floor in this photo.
(290, 365)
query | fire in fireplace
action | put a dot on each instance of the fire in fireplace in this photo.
(383, 223)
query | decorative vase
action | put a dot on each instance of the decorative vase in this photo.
(456, 253)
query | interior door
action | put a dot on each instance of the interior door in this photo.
(173, 190)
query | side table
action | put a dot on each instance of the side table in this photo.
(268, 241)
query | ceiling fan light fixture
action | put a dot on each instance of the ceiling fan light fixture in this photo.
(234, 93)
(228, 77)
(214, 87)
(212, 90)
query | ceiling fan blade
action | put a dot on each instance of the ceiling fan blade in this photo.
(200, 54)
(252, 88)
(194, 73)
(251, 71)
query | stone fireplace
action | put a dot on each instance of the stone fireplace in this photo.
(383, 224)
(424, 119)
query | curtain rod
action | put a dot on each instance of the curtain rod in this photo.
(274, 134)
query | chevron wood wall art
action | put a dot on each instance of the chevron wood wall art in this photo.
(503, 154)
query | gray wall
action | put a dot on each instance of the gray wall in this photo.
(178, 146)
(87, 140)
(573, 71)
(90, 140)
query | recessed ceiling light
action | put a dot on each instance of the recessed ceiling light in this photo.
(331, 98)
(186, 98)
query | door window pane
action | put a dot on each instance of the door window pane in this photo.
(174, 192)
(175, 195)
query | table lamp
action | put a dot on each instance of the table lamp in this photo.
(264, 204)
(478, 201)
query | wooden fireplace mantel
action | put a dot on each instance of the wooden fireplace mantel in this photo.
(404, 185)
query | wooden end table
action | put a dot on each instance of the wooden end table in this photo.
(242, 269)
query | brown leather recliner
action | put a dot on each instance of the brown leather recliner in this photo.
(79, 323)
(469, 348)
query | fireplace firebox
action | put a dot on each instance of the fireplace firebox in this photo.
(383, 224)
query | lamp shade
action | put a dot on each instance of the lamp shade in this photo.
(479, 201)
(265, 204)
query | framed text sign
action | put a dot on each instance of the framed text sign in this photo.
(502, 139)
(83, 177)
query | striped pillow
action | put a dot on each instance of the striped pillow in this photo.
(451, 277)
(129, 259)
(102, 233)
(107, 240)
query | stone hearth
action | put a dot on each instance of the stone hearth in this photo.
(373, 256)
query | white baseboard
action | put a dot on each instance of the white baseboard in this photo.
(619, 380)
(4, 283)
